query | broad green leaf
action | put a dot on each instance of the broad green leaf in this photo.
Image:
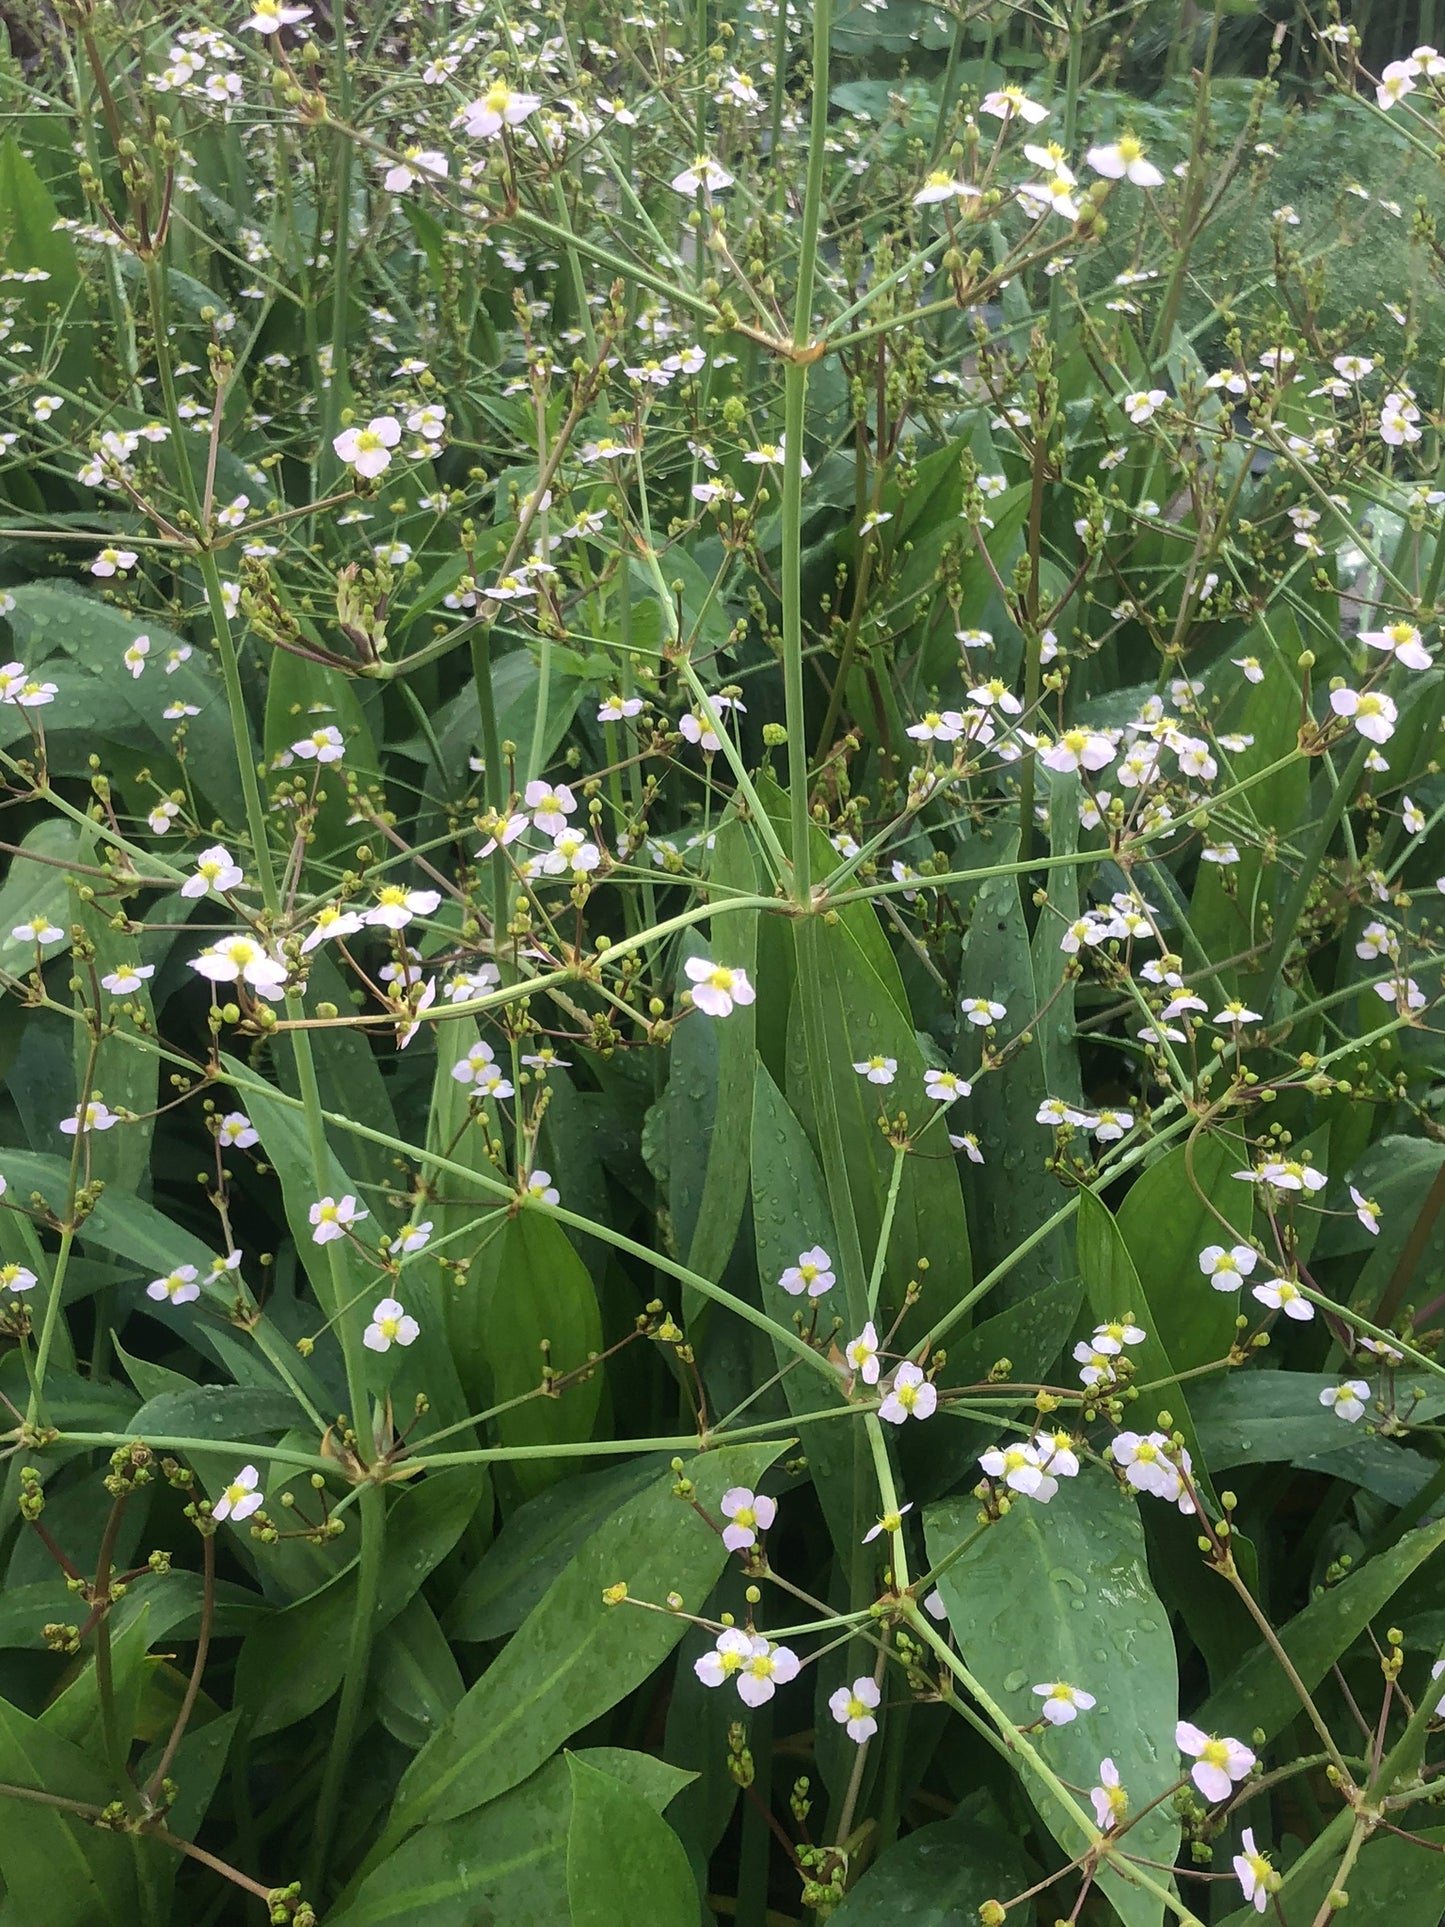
(302, 696)
(1166, 1223)
(575, 1656)
(529, 1291)
(939, 1876)
(295, 1660)
(63, 1872)
(34, 238)
(1394, 1883)
(75, 1713)
(1012, 1194)
(505, 1862)
(790, 1216)
(1258, 1693)
(426, 1365)
(1115, 1293)
(710, 1081)
(220, 1412)
(83, 641)
(350, 1079)
(35, 886)
(417, 1681)
(1274, 1417)
(1062, 1591)
(534, 1545)
(858, 1019)
(648, 1880)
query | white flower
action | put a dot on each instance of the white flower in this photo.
(551, 806)
(1372, 714)
(1435, 1671)
(414, 1238)
(331, 921)
(910, 1396)
(368, 450)
(813, 1273)
(1396, 80)
(571, 851)
(416, 163)
(396, 906)
(1254, 1873)
(941, 186)
(1062, 1703)
(1346, 1400)
(1019, 1468)
(216, 871)
(540, 1186)
(269, 16)
(1078, 749)
(1110, 1801)
(38, 930)
(1148, 1467)
(499, 107)
(241, 959)
(1234, 1012)
(1280, 1295)
(940, 726)
(1217, 1763)
(127, 979)
(17, 1278)
(1399, 421)
(1228, 1267)
(241, 1497)
(704, 176)
(878, 1070)
(179, 1286)
(331, 1216)
(94, 1116)
(135, 655)
(237, 1129)
(1367, 1211)
(862, 1354)
(853, 1707)
(324, 745)
(716, 988)
(1124, 160)
(1006, 102)
(1250, 665)
(944, 1086)
(614, 708)
(982, 1011)
(113, 562)
(773, 455)
(1142, 403)
(1113, 1337)
(748, 1514)
(1400, 640)
(1056, 193)
(390, 1325)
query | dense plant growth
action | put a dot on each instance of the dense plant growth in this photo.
(722, 1151)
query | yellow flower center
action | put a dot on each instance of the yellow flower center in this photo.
(720, 978)
(1130, 149)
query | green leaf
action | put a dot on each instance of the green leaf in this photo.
(646, 1879)
(1115, 1293)
(219, 1412)
(1393, 1883)
(34, 238)
(1258, 1693)
(506, 1862)
(575, 1656)
(790, 1215)
(858, 1019)
(295, 1660)
(529, 1288)
(709, 1093)
(1274, 1417)
(35, 886)
(418, 1682)
(98, 694)
(534, 1545)
(1062, 1591)
(939, 1876)
(1166, 1224)
(129, 1079)
(1012, 1194)
(61, 1871)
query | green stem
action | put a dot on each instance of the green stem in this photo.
(880, 1256)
